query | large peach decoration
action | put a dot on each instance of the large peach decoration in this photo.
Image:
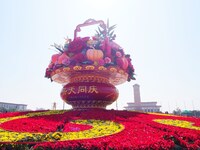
(90, 67)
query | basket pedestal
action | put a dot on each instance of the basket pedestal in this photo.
(89, 86)
(89, 91)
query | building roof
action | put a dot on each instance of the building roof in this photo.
(143, 104)
(12, 103)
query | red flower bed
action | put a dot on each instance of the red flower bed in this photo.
(12, 114)
(141, 130)
(43, 124)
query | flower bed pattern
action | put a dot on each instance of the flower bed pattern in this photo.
(98, 129)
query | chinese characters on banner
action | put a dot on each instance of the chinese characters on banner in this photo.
(82, 89)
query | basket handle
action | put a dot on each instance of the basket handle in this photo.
(88, 23)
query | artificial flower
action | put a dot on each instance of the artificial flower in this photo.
(77, 45)
(107, 60)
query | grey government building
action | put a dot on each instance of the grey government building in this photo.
(12, 106)
(137, 105)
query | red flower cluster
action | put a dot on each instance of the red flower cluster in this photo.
(140, 130)
(77, 45)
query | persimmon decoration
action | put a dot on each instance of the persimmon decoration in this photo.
(94, 54)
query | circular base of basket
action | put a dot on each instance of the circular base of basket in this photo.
(92, 104)
(85, 95)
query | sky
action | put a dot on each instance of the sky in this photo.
(162, 37)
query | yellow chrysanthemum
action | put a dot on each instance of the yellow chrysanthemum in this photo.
(177, 123)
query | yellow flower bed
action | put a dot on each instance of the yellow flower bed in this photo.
(177, 123)
(161, 114)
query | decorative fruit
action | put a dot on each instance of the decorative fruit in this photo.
(94, 54)
(105, 46)
(122, 62)
(54, 58)
(62, 57)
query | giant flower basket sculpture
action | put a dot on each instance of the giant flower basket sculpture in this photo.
(90, 67)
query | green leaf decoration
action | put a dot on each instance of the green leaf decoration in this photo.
(111, 28)
(106, 31)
